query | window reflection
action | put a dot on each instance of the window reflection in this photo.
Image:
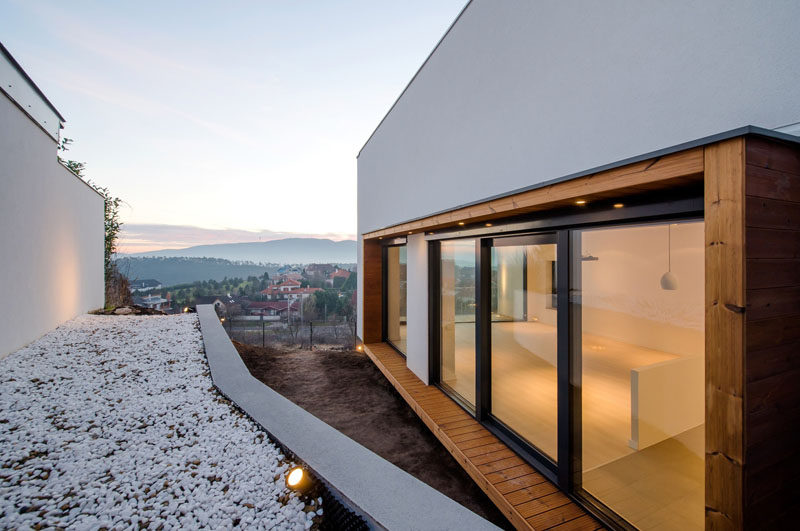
(457, 305)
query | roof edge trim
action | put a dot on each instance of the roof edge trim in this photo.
(30, 81)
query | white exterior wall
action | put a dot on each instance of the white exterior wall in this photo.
(51, 233)
(417, 306)
(521, 92)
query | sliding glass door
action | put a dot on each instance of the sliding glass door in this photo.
(638, 354)
(457, 308)
(523, 346)
(582, 349)
(395, 303)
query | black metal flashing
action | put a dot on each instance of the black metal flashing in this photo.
(30, 81)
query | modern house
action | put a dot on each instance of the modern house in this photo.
(153, 301)
(579, 238)
(51, 221)
(148, 284)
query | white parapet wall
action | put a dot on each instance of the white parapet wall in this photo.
(51, 233)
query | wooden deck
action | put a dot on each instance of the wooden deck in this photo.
(525, 497)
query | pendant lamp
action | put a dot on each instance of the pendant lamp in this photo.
(668, 280)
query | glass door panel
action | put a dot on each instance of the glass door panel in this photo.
(639, 353)
(524, 379)
(396, 276)
(457, 307)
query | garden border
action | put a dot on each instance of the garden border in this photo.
(384, 494)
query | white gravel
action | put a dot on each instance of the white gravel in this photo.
(113, 421)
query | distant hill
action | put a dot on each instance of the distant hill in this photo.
(171, 271)
(286, 251)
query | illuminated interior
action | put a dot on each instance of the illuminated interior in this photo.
(396, 277)
(642, 371)
(639, 365)
(457, 358)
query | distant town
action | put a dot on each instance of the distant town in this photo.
(311, 291)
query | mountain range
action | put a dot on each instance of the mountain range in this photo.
(285, 251)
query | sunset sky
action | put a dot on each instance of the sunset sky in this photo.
(224, 121)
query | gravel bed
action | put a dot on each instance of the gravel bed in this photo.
(113, 421)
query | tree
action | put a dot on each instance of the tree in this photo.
(350, 284)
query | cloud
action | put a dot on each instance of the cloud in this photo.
(136, 238)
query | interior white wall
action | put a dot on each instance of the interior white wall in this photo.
(621, 293)
(417, 310)
(51, 233)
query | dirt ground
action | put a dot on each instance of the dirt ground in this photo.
(347, 391)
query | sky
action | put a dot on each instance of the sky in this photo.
(219, 122)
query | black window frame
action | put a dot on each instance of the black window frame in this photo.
(385, 244)
(681, 205)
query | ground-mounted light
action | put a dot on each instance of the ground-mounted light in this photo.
(359, 348)
(222, 320)
(298, 479)
(185, 309)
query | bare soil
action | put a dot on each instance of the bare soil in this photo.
(347, 391)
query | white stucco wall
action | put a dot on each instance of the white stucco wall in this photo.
(417, 306)
(51, 233)
(524, 91)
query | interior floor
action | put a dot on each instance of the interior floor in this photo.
(401, 342)
(648, 494)
(524, 397)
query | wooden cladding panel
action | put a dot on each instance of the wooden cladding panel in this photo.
(725, 329)
(772, 360)
(670, 171)
(524, 496)
(372, 297)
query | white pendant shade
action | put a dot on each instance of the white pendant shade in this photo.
(669, 281)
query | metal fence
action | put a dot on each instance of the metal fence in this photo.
(337, 333)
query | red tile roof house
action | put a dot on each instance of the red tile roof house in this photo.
(273, 308)
(287, 285)
(339, 273)
(295, 292)
(579, 257)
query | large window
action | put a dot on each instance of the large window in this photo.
(523, 341)
(639, 348)
(583, 349)
(396, 278)
(457, 307)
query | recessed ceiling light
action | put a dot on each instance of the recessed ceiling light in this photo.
(411, 232)
(488, 224)
(618, 205)
(580, 202)
(461, 223)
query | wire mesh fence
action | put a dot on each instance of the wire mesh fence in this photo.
(329, 334)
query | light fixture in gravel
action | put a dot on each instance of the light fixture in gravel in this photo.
(298, 479)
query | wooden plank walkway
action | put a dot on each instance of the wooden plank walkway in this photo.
(525, 497)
